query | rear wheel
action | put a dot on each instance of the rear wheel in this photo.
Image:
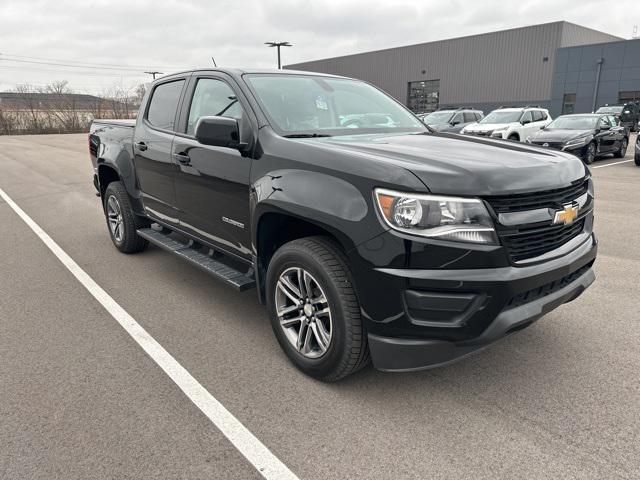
(622, 151)
(122, 221)
(589, 153)
(314, 311)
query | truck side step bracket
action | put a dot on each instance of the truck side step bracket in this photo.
(237, 279)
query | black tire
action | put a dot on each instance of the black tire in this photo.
(589, 153)
(637, 159)
(622, 151)
(126, 240)
(348, 350)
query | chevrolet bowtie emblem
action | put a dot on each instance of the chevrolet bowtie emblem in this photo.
(566, 216)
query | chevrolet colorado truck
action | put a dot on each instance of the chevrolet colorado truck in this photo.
(366, 235)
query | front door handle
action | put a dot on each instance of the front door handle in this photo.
(140, 146)
(182, 158)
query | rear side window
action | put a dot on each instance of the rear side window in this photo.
(478, 116)
(469, 117)
(537, 115)
(164, 104)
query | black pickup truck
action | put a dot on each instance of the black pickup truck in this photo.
(366, 234)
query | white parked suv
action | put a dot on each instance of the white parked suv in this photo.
(511, 123)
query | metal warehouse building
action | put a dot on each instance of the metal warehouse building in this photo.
(509, 67)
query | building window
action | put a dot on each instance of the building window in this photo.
(568, 103)
(625, 97)
(423, 96)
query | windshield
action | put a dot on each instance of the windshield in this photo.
(609, 110)
(309, 104)
(437, 118)
(502, 117)
(574, 123)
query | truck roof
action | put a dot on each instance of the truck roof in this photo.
(241, 71)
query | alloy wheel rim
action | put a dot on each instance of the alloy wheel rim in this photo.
(303, 312)
(114, 215)
(624, 148)
(591, 152)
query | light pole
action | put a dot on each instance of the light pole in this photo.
(153, 74)
(278, 45)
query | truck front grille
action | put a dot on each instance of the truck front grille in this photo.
(546, 199)
(532, 242)
(529, 241)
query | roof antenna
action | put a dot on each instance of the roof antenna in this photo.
(214, 61)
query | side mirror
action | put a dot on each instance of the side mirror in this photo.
(455, 122)
(524, 122)
(543, 127)
(218, 132)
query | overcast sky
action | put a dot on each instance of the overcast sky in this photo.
(136, 35)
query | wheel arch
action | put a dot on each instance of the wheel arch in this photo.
(274, 228)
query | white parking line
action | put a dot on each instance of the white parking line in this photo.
(269, 466)
(612, 164)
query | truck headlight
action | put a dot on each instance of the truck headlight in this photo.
(445, 218)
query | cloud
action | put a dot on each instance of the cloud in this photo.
(173, 34)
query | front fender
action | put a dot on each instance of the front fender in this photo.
(329, 202)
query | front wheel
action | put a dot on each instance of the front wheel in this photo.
(637, 159)
(315, 314)
(589, 153)
(622, 151)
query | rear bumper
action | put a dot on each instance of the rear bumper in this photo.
(541, 288)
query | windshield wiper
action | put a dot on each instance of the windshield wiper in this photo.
(306, 135)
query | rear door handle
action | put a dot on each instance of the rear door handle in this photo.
(140, 146)
(182, 158)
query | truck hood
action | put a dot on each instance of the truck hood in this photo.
(459, 165)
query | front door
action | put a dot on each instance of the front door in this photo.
(152, 142)
(212, 183)
(606, 136)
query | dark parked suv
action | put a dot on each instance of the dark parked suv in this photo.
(628, 114)
(451, 120)
(366, 235)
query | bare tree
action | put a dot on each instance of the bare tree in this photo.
(28, 96)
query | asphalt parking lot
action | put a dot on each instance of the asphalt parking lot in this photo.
(80, 399)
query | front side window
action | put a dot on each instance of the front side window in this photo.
(164, 104)
(212, 98)
(310, 104)
(613, 121)
(457, 118)
(469, 117)
(527, 117)
(604, 122)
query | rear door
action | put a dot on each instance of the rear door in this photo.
(152, 142)
(212, 183)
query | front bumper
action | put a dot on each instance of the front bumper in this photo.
(525, 295)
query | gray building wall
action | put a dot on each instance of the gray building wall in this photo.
(484, 71)
(576, 73)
